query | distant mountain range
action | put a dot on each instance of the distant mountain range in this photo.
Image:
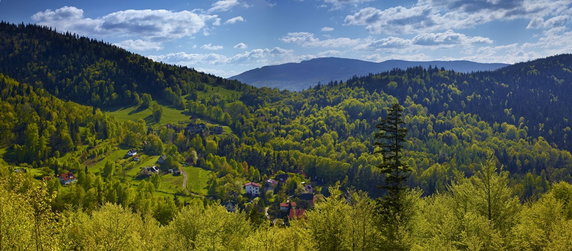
(303, 75)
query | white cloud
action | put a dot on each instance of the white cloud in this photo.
(336, 4)
(234, 20)
(388, 43)
(223, 5)
(140, 45)
(307, 39)
(448, 38)
(264, 56)
(393, 20)
(327, 29)
(148, 24)
(212, 47)
(540, 23)
(439, 15)
(241, 46)
(191, 59)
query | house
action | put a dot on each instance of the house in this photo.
(162, 159)
(67, 178)
(270, 185)
(285, 206)
(252, 188)
(175, 172)
(131, 153)
(308, 197)
(148, 171)
(197, 129)
(271, 182)
(307, 188)
(136, 159)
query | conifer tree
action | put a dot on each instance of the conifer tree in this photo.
(390, 140)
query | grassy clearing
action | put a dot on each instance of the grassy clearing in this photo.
(197, 179)
(112, 157)
(170, 115)
(171, 184)
(223, 94)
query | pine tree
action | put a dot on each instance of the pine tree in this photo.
(390, 140)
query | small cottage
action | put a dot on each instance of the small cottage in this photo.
(67, 178)
(252, 188)
(131, 153)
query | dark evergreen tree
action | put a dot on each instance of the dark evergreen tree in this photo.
(390, 140)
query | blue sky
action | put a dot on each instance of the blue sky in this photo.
(227, 37)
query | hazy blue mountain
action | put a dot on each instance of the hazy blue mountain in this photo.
(299, 76)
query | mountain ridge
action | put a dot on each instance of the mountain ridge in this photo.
(308, 73)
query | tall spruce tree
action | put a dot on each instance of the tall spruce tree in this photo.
(390, 140)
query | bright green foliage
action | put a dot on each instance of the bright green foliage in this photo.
(111, 228)
(487, 194)
(344, 222)
(207, 228)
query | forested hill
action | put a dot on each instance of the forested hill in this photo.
(92, 72)
(303, 75)
(174, 150)
(533, 95)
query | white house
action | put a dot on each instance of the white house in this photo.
(252, 188)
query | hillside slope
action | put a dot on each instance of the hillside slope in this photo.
(91, 72)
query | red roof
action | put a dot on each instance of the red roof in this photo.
(252, 184)
(67, 176)
(285, 204)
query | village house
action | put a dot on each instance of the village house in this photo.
(197, 129)
(67, 178)
(252, 188)
(270, 185)
(285, 206)
(307, 197)
(148, 171)
(131, 153)
(307, 188)
(174, 172)
(162, 159)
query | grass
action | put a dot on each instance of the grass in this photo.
(170, 115)
(113, 156)
(197, 179)
(171, 184)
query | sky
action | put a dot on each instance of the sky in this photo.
(227, 37)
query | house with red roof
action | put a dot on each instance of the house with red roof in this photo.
(252, 188)
(67, 178)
